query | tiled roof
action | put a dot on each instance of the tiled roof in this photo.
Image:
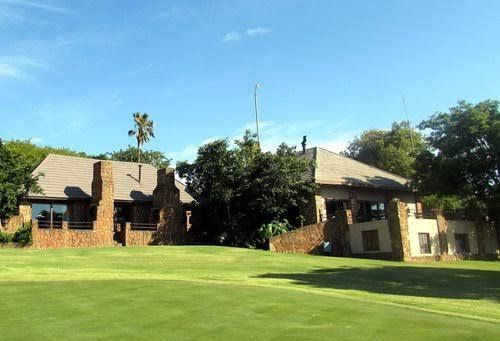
(69, 177)
(334, 169)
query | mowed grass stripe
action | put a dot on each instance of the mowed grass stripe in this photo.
(445, 292)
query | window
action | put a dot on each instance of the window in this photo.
(370, 211)
(425, 243)
(332, 206)
(462, 243)
(370, 240)
(48, 214)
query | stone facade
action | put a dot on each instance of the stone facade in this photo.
(16, 222)
(102, 206)
(395, 240)
(397, 219)
(442, 226)
(171, 229)
(44, 238)
(307, 239)
(139, 237)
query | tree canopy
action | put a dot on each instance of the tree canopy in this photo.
(464, 157)
(393, 150)
(153, 157)
(242, 190)
(143, 131)
(15, 181)
(33, 154)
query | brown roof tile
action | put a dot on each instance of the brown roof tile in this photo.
(69, 177)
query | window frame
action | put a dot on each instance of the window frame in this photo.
(371, 240)
(428, 249)
(466, 245)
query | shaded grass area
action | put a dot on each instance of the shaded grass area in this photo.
(223, 293)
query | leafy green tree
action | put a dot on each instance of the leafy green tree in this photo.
(242, 190)
(392, 150)
(143, 131)
(464, 159)
(153, 157)
(15, 182)
(33, 154)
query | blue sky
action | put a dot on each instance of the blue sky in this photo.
(72, 72)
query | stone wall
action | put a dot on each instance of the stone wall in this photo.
(171, 229)
(16, 222)
(45, 238)
(397, 220)
(102, 203)
(307, 239)
(139, 237)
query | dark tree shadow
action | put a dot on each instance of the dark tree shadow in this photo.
(404, 280)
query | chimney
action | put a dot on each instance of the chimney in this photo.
(304, 143)
(140, 173)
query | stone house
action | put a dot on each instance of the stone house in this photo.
(87, 202)
(361, 211)
(345, 183)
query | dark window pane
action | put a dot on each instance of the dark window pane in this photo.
(462, 243)
(425, 244)
(59, 214)
(41, 212)
(370, 240)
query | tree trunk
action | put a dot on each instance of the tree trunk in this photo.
(138, 152)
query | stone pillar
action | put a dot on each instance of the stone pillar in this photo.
(442, 226)
(103, 200)
(341, 242)
(166, 200)
(309, 210)
(353, 208)
(397, 220)
(320, 208)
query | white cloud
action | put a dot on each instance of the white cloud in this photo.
(257, 31)
(36, 140)
(250, 32)
(39, 5)
(231, 36)
(20, 67)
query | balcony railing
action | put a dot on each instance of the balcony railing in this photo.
(74, 225)
(143, 226)
(80, 225)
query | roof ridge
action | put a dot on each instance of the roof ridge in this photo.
(350, 158)
(92, 159)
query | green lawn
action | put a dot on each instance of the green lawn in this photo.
(214, 293)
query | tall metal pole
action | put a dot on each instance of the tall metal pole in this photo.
(408, 121)
(257, 86)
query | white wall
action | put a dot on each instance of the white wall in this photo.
(490, 239)
(459, 226)
(383, 236)
(416, 226)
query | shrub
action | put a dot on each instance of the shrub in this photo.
(5, 237)
(23, 235)
(273, 228)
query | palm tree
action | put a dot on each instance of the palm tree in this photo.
(143, 131)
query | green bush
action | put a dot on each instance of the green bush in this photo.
(274, 228)
(23, 235)
(5, 237)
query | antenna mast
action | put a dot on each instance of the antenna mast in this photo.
(408, 121)
(257, 86)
